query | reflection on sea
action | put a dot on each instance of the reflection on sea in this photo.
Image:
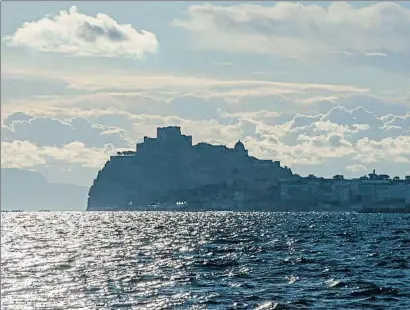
(213, 260)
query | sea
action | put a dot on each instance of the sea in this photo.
(209, 260)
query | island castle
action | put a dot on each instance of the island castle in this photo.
(170, 169)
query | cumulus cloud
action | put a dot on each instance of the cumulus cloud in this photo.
(24, 154)
(299, 30)
(78, 34)
(356, 168)
(308, 142)
(77, 153)
(338, 134)
(20, 154)
(398, 121)
(353, 125)
(48, 131)
(342, 116)
(17, 116)
(393, 149)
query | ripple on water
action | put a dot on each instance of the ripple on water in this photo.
(159, 260)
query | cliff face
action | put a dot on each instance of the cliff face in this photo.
(168, 170)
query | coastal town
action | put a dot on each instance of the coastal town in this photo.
(372, 191)
(169, 172)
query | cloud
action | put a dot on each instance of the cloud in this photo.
(301, 31)
(198, 102)
(224, 63)
(47, 131)
(309, 142)
(393, 149)
(24, 154)
(353, 125)
(376, 54)
(356, 168)
(77, 153)
(313, 145)
(168, 86)
(20, 154)
(110, 112)
(396, 121)
(18, 116)
(359, 115)
(350, 136)
(77, 34)
(376, 105)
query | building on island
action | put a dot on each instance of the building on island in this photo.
(169, 169)
(338, 191)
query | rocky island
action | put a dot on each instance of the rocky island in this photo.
(170, 173)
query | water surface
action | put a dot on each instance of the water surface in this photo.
(213, 260)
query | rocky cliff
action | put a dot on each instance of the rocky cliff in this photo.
(169, 168)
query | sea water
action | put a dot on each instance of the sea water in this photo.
(210, 260)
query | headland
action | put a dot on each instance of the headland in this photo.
(170, 173)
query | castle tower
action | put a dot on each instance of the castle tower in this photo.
(240, 148)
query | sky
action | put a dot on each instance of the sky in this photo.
(321, 86)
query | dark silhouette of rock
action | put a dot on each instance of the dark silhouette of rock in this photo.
(169, 169)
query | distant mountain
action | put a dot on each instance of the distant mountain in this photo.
(29, 191)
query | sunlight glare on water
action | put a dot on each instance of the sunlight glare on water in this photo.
(212, 260)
